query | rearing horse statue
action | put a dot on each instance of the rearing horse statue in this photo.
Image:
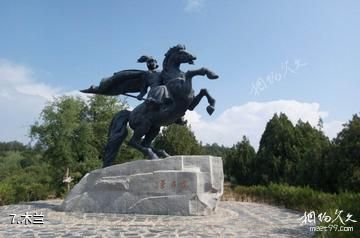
(173, 98)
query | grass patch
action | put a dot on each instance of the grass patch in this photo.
(305, 199)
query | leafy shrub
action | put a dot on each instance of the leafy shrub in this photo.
(306, 199)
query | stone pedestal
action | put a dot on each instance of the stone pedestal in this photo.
(177, 185)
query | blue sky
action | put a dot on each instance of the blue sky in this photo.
(57, 47)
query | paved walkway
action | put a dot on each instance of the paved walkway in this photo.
(233, 219)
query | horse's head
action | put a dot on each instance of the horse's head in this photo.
(178, 55)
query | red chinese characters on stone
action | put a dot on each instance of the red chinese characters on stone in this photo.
(183, 184)
(162, 184)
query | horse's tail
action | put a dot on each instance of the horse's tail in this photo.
(121, 117)
(116, 135)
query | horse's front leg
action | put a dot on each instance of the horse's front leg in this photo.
(203, 92)
(202, 72)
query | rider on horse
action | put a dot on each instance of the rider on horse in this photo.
(170, 96)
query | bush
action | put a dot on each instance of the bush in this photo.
(306, 199)
(23, 177)
(7, 194)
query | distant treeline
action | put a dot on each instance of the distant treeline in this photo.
(299, 155)
(11, 146)
(72, 132)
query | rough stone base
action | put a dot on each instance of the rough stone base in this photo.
(177, 185)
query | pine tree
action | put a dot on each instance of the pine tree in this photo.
(178, 140)
(239, 162)
(347, 149)
(311, 144)
(277, 155)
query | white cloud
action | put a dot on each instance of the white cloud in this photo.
(250, 119)
(17, 79)
(194, 5)
(21, 100)
(333, 127)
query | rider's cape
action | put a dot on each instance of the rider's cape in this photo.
(125, 81)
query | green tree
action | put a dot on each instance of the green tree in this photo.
(9, 164)
(73, 132)
(238, 162)
(277, 155)
(100, 113)
(347, 150)
(65, 135)
(339, 168)
(311, 145)
(178, 140)
(215, 150)
(11, 146)
(24, 177)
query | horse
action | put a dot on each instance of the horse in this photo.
(146, 119)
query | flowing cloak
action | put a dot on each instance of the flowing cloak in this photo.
(125, 81)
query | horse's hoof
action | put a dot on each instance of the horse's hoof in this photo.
(164, 154)
(151, 154)
(212, 75)
(154, 156)
(210, 109)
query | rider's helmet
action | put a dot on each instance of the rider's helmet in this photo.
(151, 63)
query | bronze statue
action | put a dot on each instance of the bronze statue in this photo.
(170, 96)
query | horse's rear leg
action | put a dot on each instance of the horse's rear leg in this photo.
(203, 92)
(149, 137)
(117, 134)
(135, 142)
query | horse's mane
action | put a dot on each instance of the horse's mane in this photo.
(170, 52)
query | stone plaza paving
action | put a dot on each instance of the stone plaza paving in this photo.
(232, 219)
